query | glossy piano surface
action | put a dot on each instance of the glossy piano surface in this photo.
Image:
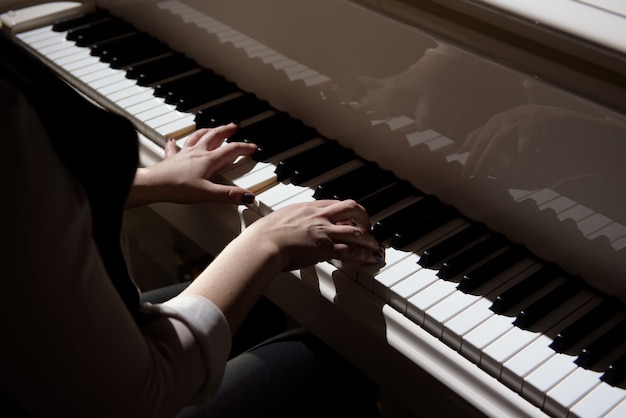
(536, 162)
(509, 149)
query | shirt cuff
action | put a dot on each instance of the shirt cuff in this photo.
(210, 328)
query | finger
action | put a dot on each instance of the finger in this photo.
(195, 137)
(170, 149)
(345, 211)
(230, 194)
(215, 137)
(227, 155)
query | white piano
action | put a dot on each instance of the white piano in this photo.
(498, 133)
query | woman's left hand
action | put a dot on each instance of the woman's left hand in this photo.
(184, 175)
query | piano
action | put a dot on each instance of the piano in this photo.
(485, 137)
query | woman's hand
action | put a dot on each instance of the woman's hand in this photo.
(184, 175)
(304, 234)
(296, 236)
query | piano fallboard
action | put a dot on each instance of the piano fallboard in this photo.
(548, 191)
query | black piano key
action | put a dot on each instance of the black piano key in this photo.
(423, 226)
(355, 184)
(99, 31)
(520, 291)
(106, 48)
(324, 163)
(616, 371)
(160, 69)
(387, 227)
(582, 327)
(286, 168)
(267, 130)
(388, 196)
(602, 345)
(547, 303)
(287, 140)
(234, 110)
(452, 244)
(185, 82)
(65, 24)
(470, 256)
(202, 95)
(126, 58)
(480, 275)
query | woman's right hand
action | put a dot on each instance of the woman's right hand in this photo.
(306, 233)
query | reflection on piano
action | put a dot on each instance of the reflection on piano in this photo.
(498, 193)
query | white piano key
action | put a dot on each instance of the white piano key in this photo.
(570, 390)
(66, 57)
(616, 411)
(485, 333)
(84, 65)
(124, 90)
(467, 318)
(131, 100)
(499, 351)
(604, 399)
(405, 289)
(465, 321)
(383, 281)
(546, 376)
(257, 179)
(151, 109)
(505, 347)
(417, 304)
(183, 125)
(103, 76)
(524, 362)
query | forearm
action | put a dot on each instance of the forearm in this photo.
(238, 276)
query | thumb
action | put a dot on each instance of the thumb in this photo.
(231, 194)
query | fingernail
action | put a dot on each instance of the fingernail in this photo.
(248, 198)
(169, 139)
(378, 255)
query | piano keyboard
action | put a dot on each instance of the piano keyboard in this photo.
(545, 336)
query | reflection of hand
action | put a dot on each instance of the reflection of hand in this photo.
(519, 136)
(429, 91)
(184, 175)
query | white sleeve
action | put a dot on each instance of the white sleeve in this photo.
(211, 330)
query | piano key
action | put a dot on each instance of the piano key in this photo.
(467, 258)
(288, 168)
(160, 69)
(356, 184)
(419, 303)
(269, 150)
(579, 329)
(456, 331)
(453, 244)
(523, 289)
(386, 228)
(98, 31)
(201, 77)
(569, 391)
(603, 401)
(601, 346)
(233, 110)
(203, 95)
(439, 314)
(423, 226)
(498, 352)
(477, 277)
(546, 376)
(388, 196)
(538, 309)
(616, 371)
